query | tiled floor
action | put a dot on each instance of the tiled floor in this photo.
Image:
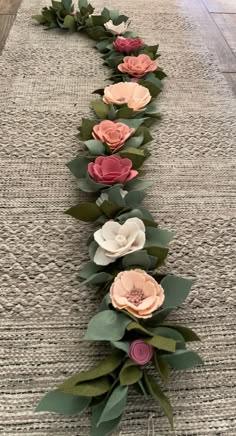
(218, 16)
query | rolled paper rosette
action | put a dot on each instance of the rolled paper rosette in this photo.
(140, 352)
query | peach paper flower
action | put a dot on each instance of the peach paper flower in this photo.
(137, 66)
(134, 95)
(113, 134)
(137, 292)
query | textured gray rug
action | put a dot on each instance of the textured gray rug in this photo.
(45, 88)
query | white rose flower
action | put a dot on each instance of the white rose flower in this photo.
(116, 240)
(103, 197)
(117, 30)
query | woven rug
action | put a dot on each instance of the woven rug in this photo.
(46, 80)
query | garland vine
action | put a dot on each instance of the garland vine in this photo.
(127, 247)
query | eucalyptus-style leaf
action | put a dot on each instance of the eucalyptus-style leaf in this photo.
(69, 23)
(100, 108)
(90, 388)
(86, 128)
(134, 141)
(183, 359)
(136, 155)
(106, 427)
(162, 343)
(139, 328)
(158, 317)
(162, 367)
(160, 253)
(137, 184)
(114, 195)
(89, 269)
(134, 198)
(176, 290)
(86, 211)
(115, 404)
(109, 209)
(158, 395)
(137, 258)
(122, 345)
(108, 325)
(188, 334)
(79, 166)
(167, 333)
(130, 373)
(106, 301)
(62, 403)
(157, 236)
(132, 123)
(95, 147)
(98, 278)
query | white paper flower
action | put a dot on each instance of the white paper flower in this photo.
(103, 197)
(116, 240)
(117, 30)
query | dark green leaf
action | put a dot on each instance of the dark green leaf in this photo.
(90, 388)
(162, 343)
(122, 345)
(60, 402)
(183, 359)
(79, 166)
(69, 23)
(86, 211)
(89, 269)
(134, 198)
(95, 147)
(162, 367)
(187, 334)
(131, 122)
(106, 301)
(83, 4)
(86, 128)
(137, 258)
(144, 131)
(136, 155)
(157, 236)
(176, 290)
(125, 112)
(137, 184)
(100, 108)
(40, 18)
(107, 326)
(109, 209)
(157, 393)
(130, 373)
(160, 252)
(115, 404)
(167, 333)
(98, 279)
(134, 141)
(136, 326)
(104, 428)
(158, 317)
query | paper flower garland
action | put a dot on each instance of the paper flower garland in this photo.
(127, 246)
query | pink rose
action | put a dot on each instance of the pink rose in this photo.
(126, 45)
(140, 352)
(111, 169)
(113, 134)
(137, 292)
(134, 95)
(137, 66)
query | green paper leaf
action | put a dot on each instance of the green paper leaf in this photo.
(161, 367)
(153, 89)
(115, 404)
(105, 367)
(93, 246)
(98, 279)
(162, 343)
(95, 147)
(91, 388)
(187, 334)
(158, 317)
(62, 403)
(130, 373)
(104, 428)
(176, 290)
(79, 166)
(114, 195)
(183, 359)
(86, 211)
(107, 326)
(157, 236)
(137, 258)
(158, 395)
(100, 108)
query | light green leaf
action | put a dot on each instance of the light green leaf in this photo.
(130, 373)
(162, 343)
(167, 333)
(157, 236)
(131, 122)
(107, 326)
(188, 334)
(62, 403)
(157, 393)
(122, 345)
(90, 388)
(40, 18)
(100, 108)
(95, 147)
(115, 404)
(83, 4)
(69, 23)
(183, 359)
(162, 367)
(137, 184)
(135, 142)
(176, 290)
(104, 428)
(86, 211)
(137, 258)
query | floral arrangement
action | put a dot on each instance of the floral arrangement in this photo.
(127, 246)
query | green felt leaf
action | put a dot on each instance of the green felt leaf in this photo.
(160, 74)
(66, 4)
(98, 279)
(131, 122)
(187, 334)
(102, 45)
(86, 211)
(137, 184)
(134, 141)
(107, 326)
(100, 108)
(158, 317)
(40, 18)
(122, 345)
(69, 23)
(162, 343)
(93, 246)
(104, 428)
(167, 333)
(89, 269)
(162, 367)
(136, 326)
(86, 128)
(153, 79)
(95, 147)
(160, 252)
(94, 186)
(157, 236)
(130, 373)
(105, 367)
(158, 395)
(176, 290)
(109, 209)
(98, 20)
(133, 213)
(183, 359)
(115, 404)
(82, 4)
(91, 388)
(153, 89)
(125, 112)
(79, 166)
(114, 196)
(105, 304)
(137, 258)
(134, 198)
(62, 403)
(144, 131)
(114, 14)
(137, 156)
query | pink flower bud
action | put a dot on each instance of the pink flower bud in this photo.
(140, 352)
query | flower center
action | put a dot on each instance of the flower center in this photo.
(121, 239)
(121, 100)
(136, 296)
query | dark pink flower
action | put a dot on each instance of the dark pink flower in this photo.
(111, 169)
(127, 45)
(140, 352)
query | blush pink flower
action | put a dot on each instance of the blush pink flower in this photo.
(113, 134)
(140, 352)
(137, 66)
(127, 45)
(137, 292)
(134, 95)
(111, 169)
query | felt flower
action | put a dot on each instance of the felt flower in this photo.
(117, 30)
(134, 95)
(111, 169)
(137, 292)
(104, 197)
(113, 134)
(116, 240)
(127, 45)
(137, 66)
(140, 352)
